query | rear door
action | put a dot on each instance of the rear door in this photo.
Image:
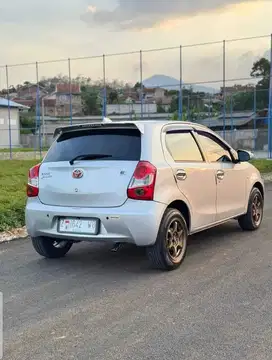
(100, 182)
(194, 177)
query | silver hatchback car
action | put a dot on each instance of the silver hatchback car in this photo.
(148, 183)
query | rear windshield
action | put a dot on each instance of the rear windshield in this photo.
(119, 144)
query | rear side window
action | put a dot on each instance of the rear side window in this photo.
(119, 144)
(182, 147)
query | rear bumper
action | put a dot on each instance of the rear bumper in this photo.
(135, 222)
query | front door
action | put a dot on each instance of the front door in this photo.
(195, 178)
(230, 177)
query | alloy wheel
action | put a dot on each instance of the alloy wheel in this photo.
(257, 210)
(175, 238)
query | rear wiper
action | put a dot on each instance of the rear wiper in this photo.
(89, 157)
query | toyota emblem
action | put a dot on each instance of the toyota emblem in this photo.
(77, 174)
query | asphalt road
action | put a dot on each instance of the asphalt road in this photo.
(94, 304)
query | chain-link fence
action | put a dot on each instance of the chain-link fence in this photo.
(223, 85)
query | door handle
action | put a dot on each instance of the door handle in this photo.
(220, 174)
(181, 175)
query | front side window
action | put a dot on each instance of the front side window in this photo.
(215, 151)
(183, 147)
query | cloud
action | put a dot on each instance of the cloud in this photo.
(140, 14)
(92, 9)
(32, 12)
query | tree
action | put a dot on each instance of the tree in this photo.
(171, 93)
(91, 100)
(160, 108)
(27, 123)
(174, 104)
(241, 101)
(137, 86)
(113, 96)
(261, 70)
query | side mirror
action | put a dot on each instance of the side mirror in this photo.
(244, 156)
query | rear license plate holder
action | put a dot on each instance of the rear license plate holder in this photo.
(78, 226)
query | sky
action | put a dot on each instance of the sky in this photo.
(36, 30)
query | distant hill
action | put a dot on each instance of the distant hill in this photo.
(170, 83)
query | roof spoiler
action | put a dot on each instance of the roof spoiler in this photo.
(104, 123)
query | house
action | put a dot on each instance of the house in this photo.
(156, 94)
(131, 109)
(159, 94)
(10, 123)
(128, 95)
(25, 102)
(61, 102)
(230, 90)
(27, 94)
(239, 120)
(27, 91)
(165, 102)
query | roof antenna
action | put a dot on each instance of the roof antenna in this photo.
(106, 120)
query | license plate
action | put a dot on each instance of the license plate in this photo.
(78, 226)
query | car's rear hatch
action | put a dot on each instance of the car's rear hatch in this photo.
(96, 181)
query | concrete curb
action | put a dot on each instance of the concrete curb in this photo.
(21, 233)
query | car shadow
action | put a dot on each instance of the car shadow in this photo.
(214, 236)
(98, 258)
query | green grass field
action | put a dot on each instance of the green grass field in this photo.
(264, 165)
(16, 150)
(13, 180)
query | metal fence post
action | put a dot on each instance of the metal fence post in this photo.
(198, 107)
(210, 105)
(255, 114)
(180, 84)
(70, 92)
(141, 82)
(270, 105)
(105, 88)
(38, 113)
(224, 89)
(231, 112)
(9, 113)
(188, 107)
(231, 120)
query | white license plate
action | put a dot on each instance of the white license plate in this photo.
(78, 226)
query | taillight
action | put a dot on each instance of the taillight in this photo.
(33, 181)
(142, 184)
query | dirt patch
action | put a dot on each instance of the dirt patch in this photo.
(267, 177)
(13, 234)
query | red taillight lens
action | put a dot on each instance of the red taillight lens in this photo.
(33, 181)
(142, 184)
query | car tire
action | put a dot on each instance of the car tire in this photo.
(170, 247)
(253, 218)
(51, 248)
